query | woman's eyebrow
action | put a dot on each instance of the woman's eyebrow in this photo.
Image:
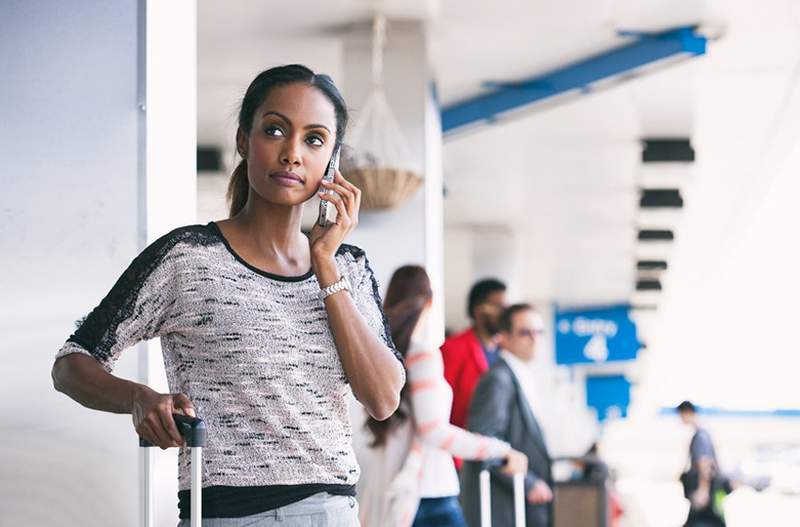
(279, 114)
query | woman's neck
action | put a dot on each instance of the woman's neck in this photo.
(273, 229)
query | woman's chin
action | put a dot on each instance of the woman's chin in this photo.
(287, 197)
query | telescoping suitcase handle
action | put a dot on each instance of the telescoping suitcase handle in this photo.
(193, 430)
(486, 498)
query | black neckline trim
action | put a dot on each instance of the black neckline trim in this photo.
(215, 228)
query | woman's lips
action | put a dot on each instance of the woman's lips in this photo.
(287, 179)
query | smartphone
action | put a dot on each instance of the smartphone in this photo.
(333, 164)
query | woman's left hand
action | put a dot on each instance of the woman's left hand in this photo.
(325, 241)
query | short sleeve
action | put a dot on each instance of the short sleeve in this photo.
(137, 307)
(366, 294)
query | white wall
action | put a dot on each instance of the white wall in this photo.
(89, 177)
(70, 206)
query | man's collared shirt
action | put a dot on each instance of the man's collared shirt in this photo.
(524, 374)
(490, 353)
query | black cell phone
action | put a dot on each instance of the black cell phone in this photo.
(333, 164)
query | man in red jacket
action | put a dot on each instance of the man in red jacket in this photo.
(468, 355)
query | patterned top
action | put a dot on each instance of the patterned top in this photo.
(253, 351)
(431, 399)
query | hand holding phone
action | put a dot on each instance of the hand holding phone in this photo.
(333, 165)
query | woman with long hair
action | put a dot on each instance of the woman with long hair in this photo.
(265, 331)
(421, 427)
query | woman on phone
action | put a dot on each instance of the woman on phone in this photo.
(421, 426)
(265, 331)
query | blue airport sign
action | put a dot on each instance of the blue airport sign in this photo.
(610, 395)
(595, 336)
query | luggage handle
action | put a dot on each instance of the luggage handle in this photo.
(486, 500)
(192, 429)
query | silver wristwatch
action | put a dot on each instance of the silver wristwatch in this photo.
(341, 285)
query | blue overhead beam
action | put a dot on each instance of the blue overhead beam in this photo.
(645, 50)
(721, 412)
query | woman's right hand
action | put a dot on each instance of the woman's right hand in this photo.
(152, 416)
(516, 463)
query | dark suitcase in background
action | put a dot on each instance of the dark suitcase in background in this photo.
(582, 502)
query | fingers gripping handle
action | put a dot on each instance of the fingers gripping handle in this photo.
(192, 429)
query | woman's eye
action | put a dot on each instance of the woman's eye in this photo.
(273, 130)
(315, 140)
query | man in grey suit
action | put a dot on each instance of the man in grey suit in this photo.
(500, 408)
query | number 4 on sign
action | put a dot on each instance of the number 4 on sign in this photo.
(596, 349)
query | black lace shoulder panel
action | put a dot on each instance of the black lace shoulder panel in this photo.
(97, 331)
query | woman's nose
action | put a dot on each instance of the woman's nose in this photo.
(291, 154)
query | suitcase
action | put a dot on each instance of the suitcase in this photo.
(193, 431)
(486, 499)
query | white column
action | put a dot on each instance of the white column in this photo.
(168, 171)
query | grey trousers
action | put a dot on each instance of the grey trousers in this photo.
(319, 510)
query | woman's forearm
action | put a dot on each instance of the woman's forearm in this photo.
(375, 374)
(83, 379)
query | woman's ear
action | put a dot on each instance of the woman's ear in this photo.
(241, 143)
(429, 302)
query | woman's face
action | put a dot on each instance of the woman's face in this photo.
(290, 144)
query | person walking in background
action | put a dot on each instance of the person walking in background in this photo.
(469, 354)
(265, 331)
(414, 468)
(703, 484)
(500, 409)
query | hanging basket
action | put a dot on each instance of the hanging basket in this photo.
(378, 161)
(383, 188)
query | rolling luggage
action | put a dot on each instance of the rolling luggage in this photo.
(486, 499)
(193, 431)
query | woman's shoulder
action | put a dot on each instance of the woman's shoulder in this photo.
(355, 252)
(354, 260)
(196, 234)
(188, 235)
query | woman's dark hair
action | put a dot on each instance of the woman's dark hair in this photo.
(256, 93)
(408, 293)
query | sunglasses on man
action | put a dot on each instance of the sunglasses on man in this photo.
(529, 332)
